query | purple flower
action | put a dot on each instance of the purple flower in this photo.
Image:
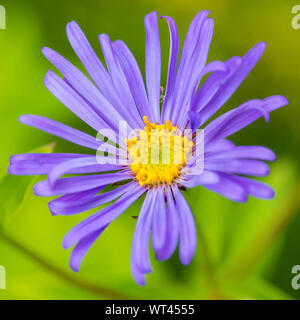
(119, 94)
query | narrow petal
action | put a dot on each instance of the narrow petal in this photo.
(82, 248)
(159, 221)
(173, 58)
(187, 229)
(77, 184)
(103, 217)
(153, 64)
(133, 76)
(244, 152)
(255, 188)
(213, 83)
(191, 79)
(184, 64)
(129, 109)
(61, 130)
(206, 177)
(249, 61)
(172, 230)
(228, 188)
(82, 201)
(83, 165)
(238, 166)
(85, 88)
(238, 118)
(139, 259)
(70, 98)
(92, 63)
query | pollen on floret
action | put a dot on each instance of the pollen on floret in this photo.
(158, 153)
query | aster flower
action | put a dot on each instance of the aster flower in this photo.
(118, 94)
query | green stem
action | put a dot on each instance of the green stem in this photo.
(82, 284)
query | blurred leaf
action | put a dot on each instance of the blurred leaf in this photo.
(14, 188)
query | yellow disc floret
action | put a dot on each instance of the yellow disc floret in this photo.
(158, 153)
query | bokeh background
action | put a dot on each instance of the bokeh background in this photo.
(245, 251)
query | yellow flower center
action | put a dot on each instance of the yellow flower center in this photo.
(158, 153)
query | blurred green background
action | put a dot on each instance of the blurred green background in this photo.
(245, 251)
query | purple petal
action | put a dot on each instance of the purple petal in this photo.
(173, 57)
(103, 217)
(187, 229)
(238, 166)
(82, 201)
(139, 259)
(238, 118)
(82, 165)
(228, 188)
(244, 152)
(153, 65)
(249, 61)
(191, 78)
(38, 163)
(172, 234)
(82, 248)
(159, 221)
(185, 60)
(206, 177)
(70, 98)
(255, 188)
(129, 109)
(61, 130)
(77, 184)
(213, 84)
(133, 76)
(85, 88)
(92, 63)
(219, 146)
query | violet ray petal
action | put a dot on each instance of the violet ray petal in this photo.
(171, 238)
(92, 63)
(61, 130)
(187, 229)
(70, 98)
(244, 152)
(192, 77)
(133, 75)
(153, 65)
(213, 84)
(173, 58)
(185, 60)
(129, 109)
(103, 217)
(229, 189)
(206, 177)
(81, 249)
(238, 166)
(86, 200)
(139, 258)
(76, 184)
(159, 228)
(255, 188)
(249, 61)
(80, 83)
(80, 164)
(242, 116)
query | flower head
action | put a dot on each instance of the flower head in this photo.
(162, 155)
